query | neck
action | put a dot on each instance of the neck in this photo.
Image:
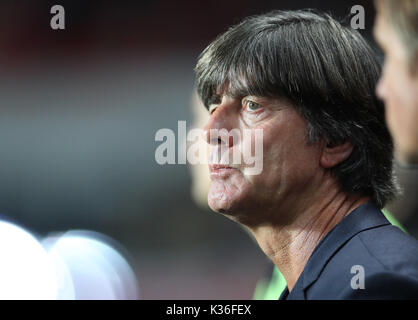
(289, 245)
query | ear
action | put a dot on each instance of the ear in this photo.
(333, 155)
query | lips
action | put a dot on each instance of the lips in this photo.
(220, 170)
(219, 166)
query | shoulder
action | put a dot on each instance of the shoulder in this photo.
(383, 285)
(379, 263)
(390, 247)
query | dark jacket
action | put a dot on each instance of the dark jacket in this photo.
(365, 244)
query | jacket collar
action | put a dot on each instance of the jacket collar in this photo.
(364, 217)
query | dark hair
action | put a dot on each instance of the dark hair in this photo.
(328, 72)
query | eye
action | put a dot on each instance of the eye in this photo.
(251, 105)
(212, 108)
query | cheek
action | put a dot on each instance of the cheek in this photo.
(398, 86)
(279, 152)
(400, 102)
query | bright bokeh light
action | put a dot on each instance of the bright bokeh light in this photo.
(26, 270)
(75, 265)
(89, 267)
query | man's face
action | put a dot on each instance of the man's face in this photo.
(398, 88)
(290, 163)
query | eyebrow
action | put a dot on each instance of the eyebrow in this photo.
(213, 100)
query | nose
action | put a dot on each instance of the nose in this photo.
(381, 85)
(219, 128)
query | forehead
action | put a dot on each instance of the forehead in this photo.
(380, 28)
(387, 37)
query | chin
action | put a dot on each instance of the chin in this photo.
(221, 204)
(407, 156)
(230, 201)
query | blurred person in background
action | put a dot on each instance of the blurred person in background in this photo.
(396, 31)
(248, 77)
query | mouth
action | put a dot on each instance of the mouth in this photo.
(220, 170)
